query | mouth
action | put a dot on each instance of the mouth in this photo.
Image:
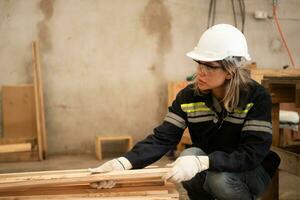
(201, 82)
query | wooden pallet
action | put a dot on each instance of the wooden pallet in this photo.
(75, 184)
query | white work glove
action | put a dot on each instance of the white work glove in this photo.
(186, 167)
(118, 164)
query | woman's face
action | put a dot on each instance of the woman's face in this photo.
(211, 76)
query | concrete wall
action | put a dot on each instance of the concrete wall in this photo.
(106, 64)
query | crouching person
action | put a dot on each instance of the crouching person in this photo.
(229, 120)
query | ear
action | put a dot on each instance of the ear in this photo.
(228, 76)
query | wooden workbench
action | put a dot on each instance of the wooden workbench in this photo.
(284, 89)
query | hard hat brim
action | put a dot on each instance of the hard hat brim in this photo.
(196, 56)
(199, 57)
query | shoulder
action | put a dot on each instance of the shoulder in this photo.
(187, 93)
(257, 89)
(254, 93)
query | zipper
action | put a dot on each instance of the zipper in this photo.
(223, 115)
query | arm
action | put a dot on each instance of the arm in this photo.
(164, 137)
(255, 141)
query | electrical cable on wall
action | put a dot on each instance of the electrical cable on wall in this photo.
(234, 13)
(211, 13)
(281, 33)
(243, 13)
(242, 6)
(214, 12)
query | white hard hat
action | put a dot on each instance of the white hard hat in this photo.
(219, 42)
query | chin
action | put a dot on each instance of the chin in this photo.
(202, 87)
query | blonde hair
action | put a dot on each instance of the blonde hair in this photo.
(240, 79)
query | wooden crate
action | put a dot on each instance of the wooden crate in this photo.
(100, 139)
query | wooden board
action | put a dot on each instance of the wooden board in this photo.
(18, 112)
(258, 74)
(75, 184)
(19, 182)
(39, 102)
(31, 140)
(19, 157)
(11, 148)
(158, 194)
(173, 88)
(83, 189)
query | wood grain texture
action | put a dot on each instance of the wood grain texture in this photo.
(75, 184)
(39, 102)
(46, 180)
(10, 148)
(18, 111)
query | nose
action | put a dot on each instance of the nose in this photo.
(201, 71)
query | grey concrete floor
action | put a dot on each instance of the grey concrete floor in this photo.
(289, 185)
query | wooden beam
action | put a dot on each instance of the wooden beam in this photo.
(19, 157)
(158, 196)
(125, 189)
(9, 148)
(39, 173)
(31, 140)
(16, 183)
(39, 102)
(173, 89)
(258, 74)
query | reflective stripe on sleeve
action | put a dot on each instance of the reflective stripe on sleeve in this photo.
(175, 120)
(257, 125)
(200, 113)
(234, 120)
(201, 119)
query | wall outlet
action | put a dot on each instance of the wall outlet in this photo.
(260, 14)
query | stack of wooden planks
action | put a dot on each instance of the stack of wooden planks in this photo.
(24, 132)
(75, 184)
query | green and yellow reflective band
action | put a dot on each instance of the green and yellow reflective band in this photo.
(194, 107)
(248, 107)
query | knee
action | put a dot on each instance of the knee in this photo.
(221, 184)
(193, 151)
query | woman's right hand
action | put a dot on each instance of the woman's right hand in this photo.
(117, 164)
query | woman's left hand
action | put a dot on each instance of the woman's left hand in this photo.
(186, 167)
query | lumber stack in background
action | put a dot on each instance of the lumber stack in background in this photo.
(130, 184)
(24, 117)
